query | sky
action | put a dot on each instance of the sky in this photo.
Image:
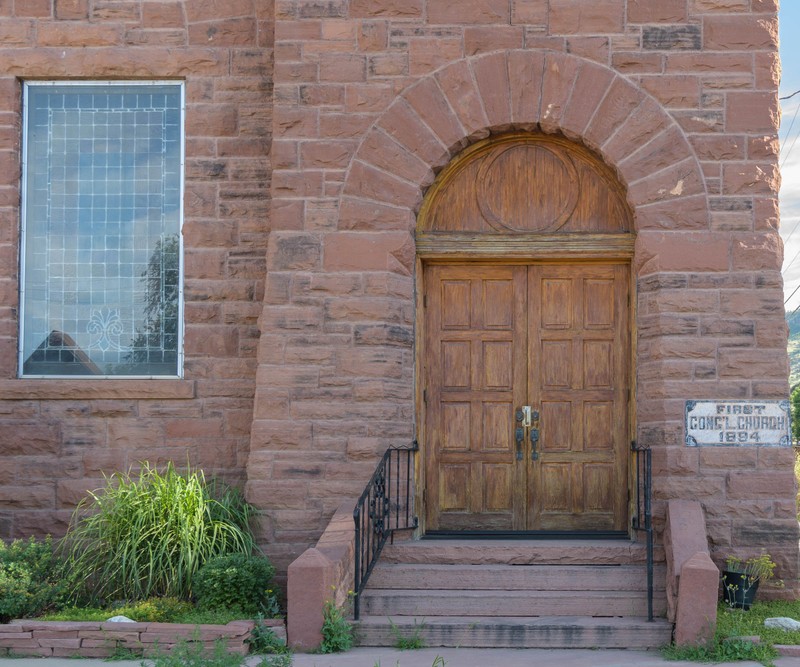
(790, 151)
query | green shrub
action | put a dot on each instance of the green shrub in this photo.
(149, 611)
(195, 654)
(29, 579)
(146, 537)
(236, 580)
(264, 640)
(337, 631)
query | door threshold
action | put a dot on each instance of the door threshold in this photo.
(526, 535)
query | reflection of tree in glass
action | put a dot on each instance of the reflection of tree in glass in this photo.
(156, 342)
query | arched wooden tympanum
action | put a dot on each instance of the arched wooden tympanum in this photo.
(525, 242)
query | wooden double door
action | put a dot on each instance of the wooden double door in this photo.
(526, 383)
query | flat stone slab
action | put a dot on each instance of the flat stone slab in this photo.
(511, 632)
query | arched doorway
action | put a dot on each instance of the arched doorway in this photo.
(524, 245)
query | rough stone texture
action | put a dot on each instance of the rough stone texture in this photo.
(104, 640)
(372, 98)
(696, 621)
(672, 94)
(324, 572)
(61, 436)
(684, 537)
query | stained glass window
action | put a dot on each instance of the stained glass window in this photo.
(101, 287)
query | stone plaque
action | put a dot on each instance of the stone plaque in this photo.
(738, 424)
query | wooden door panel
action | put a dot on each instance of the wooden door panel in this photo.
(454, 488)
(455, 300)
(578, 376)
(598, 304)
(556, 364)
(556, 431)
(455, 426)
(496, 418)
(598, 487)
(553, 336)
(598, 364)
(474, 385)
(497, 362)
(497, 304)
(456, 364)
(556, 493)
(598, 425)
(555, 302)
(497, 488)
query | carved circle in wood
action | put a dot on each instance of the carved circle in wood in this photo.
(527, 188)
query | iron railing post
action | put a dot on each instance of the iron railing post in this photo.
(373, 512)
(643, 521)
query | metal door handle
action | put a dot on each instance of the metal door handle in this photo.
(519, 435)
(534, 441)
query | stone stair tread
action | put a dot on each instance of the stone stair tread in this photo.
(518, 552)
(445, 602)
(561, 621)
(516, 632)
(513, 577)
(470, 594)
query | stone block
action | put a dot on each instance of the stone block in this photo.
(427, 54)
(591, 87)
(577, 16)
(469, 11)
(526, 69)
(386, 8)
(491, 74)
(671, 38)
(77, 34)
(695, 622)
(482, 39)
(162, 15)
(310, 579)
(458, 85)
(744, 33)
(373, 184)
(664, 11)
(558, 83)
(210, 10)
(35, 8)
(403, 123)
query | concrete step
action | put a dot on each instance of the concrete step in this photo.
(505, 632)
(514, 577)
(519, 552)
(439, 602)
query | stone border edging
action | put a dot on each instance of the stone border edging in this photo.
(104, 639)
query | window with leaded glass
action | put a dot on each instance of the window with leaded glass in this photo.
(101, 283)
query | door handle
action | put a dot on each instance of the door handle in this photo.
(527, 418)
(534, 442)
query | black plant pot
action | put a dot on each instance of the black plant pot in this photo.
(738, 590)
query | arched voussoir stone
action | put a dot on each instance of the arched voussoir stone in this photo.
(521, 89)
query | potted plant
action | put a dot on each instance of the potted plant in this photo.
(740, 579)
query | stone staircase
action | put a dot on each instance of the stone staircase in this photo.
(513, 593)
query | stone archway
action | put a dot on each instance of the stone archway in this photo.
(520, 89)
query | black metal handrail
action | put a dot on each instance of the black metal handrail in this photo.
(386, 505)
(643, 516)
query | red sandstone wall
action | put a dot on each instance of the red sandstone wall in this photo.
(401, 86)
(58, 437)
(373, 96)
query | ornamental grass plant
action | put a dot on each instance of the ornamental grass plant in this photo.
(146, 536)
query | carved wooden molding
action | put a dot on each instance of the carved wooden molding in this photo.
(524, 246)
(523, 183)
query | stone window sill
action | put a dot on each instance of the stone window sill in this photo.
(88, 389)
